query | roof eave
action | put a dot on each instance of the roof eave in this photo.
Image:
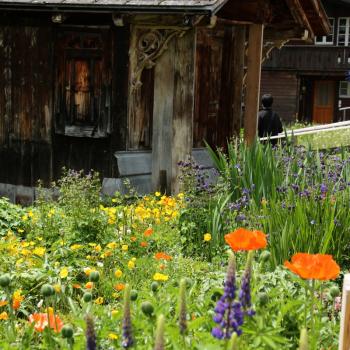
(42, 6)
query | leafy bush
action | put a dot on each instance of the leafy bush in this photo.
(10, 217)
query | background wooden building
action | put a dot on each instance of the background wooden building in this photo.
(129, 87)
(308, 78)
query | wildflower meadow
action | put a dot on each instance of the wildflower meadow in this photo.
(247, 256)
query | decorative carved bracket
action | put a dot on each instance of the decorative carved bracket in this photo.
(148, 44)
(270, 45)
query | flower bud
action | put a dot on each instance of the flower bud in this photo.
(87, 297)
(94, 276)
(133, 295)
(265, 256)
(47, 290)
(334, 291)
(67, 331)
(5, 280)
(154, 286)
(147, 308)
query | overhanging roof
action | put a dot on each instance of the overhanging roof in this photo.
(133, 5)
(285, 14)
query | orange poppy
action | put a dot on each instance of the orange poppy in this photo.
(89, 285)
(76, 286)
(17, 299)
(133, 239)
(143, 244)
(313, 266)
(3, 303)
(40, 321)
(148, 232)
(160, 256)
(119, 287)
(243, 239)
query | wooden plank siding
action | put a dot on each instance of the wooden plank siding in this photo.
(30, 147)
(284, 87)
(25, 102)
(214, 117)
(317, 59)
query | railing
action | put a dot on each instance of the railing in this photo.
(310, 130)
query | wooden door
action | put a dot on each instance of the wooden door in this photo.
(323, 101)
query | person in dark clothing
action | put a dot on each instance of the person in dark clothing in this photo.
(269, 123)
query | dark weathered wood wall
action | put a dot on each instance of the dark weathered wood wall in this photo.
(30, 147)
(33, 143)
(25, 103)
(284, 87)
(214, 87)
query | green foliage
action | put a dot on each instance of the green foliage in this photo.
(10, 217)
(299, 197)
(73, 216)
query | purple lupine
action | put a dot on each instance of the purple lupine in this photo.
(244, 293)
(127, 328)
(323, 188)
(90, 333)
(228, 312)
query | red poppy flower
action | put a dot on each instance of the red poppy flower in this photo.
(313, 266)
(243, 239)
(143, 244)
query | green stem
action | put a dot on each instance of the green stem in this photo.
(312, 292)
(48, 322)
(305, 306)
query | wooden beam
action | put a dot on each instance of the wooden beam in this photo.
(173, 111)
(238, 76)
(255, 45)
(298, 14)
(254, 11)
(182, 136)
(344, 338)
(162, 118)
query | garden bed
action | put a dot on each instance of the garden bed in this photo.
(205, 269)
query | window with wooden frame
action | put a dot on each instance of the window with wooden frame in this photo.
(326, 39)
(343, 31)
(83, 83)
(344, 89)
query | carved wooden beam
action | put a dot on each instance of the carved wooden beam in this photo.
(270, 45)
(148, 44)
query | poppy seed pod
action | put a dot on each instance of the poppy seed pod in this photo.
(5, 280)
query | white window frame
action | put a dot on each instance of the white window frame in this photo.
(348, 89)
(322, 40)
(347, 31)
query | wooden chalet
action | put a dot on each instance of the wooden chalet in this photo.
(130, 87)
(307, 79)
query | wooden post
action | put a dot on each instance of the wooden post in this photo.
(255, 45)
(173, 110)
(182, 133)
(163, 116)
(238, 74)
(344, 338)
